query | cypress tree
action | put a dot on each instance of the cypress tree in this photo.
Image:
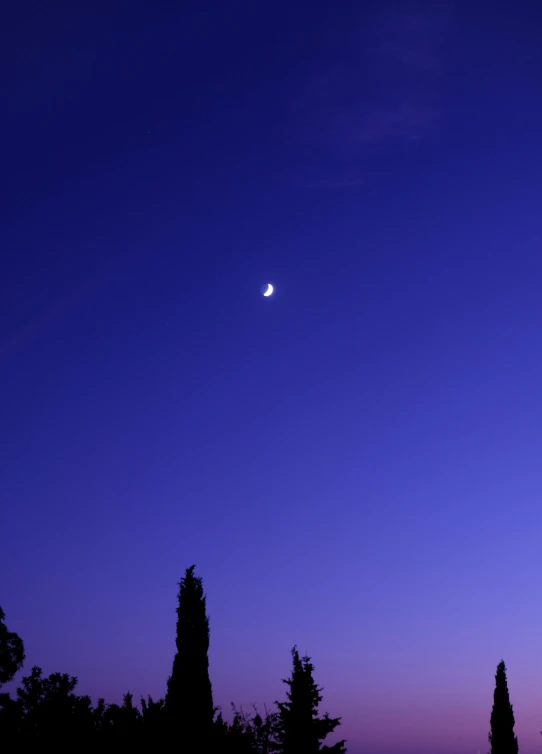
(501, 736)
(189, 698)
(299, 729)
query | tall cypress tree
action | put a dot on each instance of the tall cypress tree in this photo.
(501, 736)
(299, 729)
(189, 698)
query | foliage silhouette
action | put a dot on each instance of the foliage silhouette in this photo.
(152, 715)
(123, 723)
(247, 734)
(11, 652)
(47, 709)
(299, 729)
(261, 732)
(501, 736)
(46, 712)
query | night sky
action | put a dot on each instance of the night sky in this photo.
(353, 464)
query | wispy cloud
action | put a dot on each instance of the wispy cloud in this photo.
(384, 83)
(61, 306)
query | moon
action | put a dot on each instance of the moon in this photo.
(269, 290)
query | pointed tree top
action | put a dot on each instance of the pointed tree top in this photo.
(189, 573)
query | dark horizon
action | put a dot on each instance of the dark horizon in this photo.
(353, 462)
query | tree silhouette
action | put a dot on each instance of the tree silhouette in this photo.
(501, 736)
(11, 652)
(264, 732)
(261, 731)
(47, 712)
(246, 734)
(299, 729)
(238, 739)
(123, 722)
(189, 699)
(47, 709)
(151, 711)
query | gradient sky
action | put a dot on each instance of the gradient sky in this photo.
(353, 464)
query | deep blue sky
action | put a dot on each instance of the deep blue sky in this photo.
(354, 463)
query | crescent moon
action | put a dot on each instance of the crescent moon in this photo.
(269, 290)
